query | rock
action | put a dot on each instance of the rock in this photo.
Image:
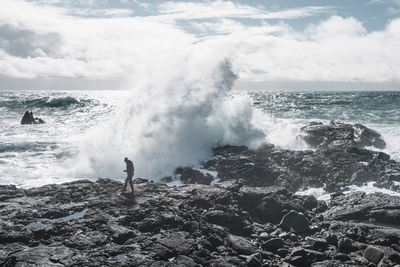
(254, 260)
(360, 206)
(86, 223)
(296, 221)
(190, 176)
(273, 244)
(345, 245)
(298, 257)
(373, 254)
(297, 170)
(28, 118)
(341, 257)
(341, 135)
(240, 245)
(317, 243)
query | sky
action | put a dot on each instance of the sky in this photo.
(272, 44)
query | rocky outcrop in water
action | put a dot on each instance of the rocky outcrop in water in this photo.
(28, 118)
(296, 170)
(340, 135)
(87, 223)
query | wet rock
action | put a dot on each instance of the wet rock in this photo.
(296, 221)
(296, 170)
(28, 118)
(345, 245)
(360, 206)
(298, 257)
(373, 254)
(273, 244)
(254, 260)
(240, 245)
(340, 135)
(190, 176)
(317, 243)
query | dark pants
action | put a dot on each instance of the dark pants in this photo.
(129, 178)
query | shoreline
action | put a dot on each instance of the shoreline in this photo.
(230, 224)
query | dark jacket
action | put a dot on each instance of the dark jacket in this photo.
(130, 170)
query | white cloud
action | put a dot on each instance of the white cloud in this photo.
(229, 9)
(139, 48)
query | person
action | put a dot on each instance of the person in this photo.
(130, 170)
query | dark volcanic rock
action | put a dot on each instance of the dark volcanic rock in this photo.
(28, 118)
(340, 135)
(295, 170)
(362, 207)
(296, 221)
(373, 254)
(190, 176)
(86, 223)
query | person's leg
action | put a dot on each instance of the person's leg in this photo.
(131, 183)
(126, 182)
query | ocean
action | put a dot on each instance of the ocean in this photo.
(88, 133)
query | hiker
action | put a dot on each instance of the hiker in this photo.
(129, 171)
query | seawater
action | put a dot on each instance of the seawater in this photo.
(87, 133)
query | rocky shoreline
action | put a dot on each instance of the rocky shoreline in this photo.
(86, 223)
(250, 217)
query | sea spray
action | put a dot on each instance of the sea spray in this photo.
(176, 123)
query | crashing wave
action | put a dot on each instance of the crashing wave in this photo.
(61, 101)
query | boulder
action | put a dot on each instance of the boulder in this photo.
(296, 221)
(273, 244)
(373, 254)
(191, 176)
(28, 118)
(340, 135)
(360, 206)
(254, 260)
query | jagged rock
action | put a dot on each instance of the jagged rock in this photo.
(273, 244)
(360, 206)
(86, 223)
(28, 118)
(340, 135)
(255, 260)
(295, 170)
(373, 254)
(296, 221)
(345, 245)
(190, 176)
(240, 244)
(317, 243)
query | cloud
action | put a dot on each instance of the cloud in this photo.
(42, 40)
(229, 9)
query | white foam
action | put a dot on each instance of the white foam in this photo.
(368, 188)
(170, 123)
(319, 193)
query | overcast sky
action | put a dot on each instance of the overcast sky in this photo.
(272, 44)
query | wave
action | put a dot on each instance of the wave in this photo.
(42, 102)
(27, 146)
(175, 123)
(61, 101)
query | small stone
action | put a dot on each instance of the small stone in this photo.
(295, 220)
(341, 257)
(345, 245)
(254, 260)
(282, 252)
(373, 254)
(273, 244)
(240, 244)
(319, 244)
(264, 236)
